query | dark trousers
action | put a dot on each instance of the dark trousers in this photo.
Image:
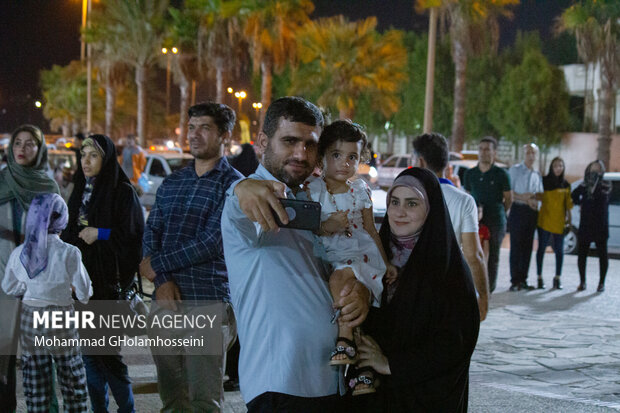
(557, 243)
(522, 224)
(603, 260)
(8, 401)
(495, 242)
(271, 402)
(104, 371)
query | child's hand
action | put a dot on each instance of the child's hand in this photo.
(337, 222)
(391, 274)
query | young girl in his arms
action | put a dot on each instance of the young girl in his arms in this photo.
(45, 271)
(348, 232)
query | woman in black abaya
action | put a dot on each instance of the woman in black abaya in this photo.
(421, 339)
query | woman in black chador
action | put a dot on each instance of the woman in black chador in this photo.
(593, 196)
(106, 224)
(421, 340)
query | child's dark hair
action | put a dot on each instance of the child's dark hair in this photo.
(343, 130)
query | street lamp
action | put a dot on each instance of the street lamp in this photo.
(240, 95)
(165, 51)
(257, 106)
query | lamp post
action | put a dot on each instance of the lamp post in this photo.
(257, 106)
(240, 95)
(165, 51)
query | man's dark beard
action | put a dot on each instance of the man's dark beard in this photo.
(280, 173)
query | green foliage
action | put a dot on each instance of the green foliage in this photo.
(64, 93)
(531, 102)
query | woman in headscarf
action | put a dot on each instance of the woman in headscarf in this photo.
(24, 178)
(593, 196)
(421, 340)
(106, 224)
(553, 216)
(44, 271)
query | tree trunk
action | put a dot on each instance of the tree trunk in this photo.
(66, 128)
(141, 113)
(460, 70)
(265, 88)
(110, 101)
(607, 106)
(219, 81)
(390, 141)
(184, 87)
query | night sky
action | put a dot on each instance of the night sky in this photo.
(36, 34)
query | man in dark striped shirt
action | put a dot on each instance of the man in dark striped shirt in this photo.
(184, 256)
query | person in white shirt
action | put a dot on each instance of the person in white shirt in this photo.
(527, 190)
(45, 272)
(430, 151)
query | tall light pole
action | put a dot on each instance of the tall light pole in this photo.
(86, 8)
(165, 51)
(257, 106)
(430, 71)
(240, 95)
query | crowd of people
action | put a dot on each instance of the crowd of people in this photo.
(339, 318)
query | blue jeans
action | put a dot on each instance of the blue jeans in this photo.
(557, 243)
(102, 371)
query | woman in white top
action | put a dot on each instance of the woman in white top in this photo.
(45, 271)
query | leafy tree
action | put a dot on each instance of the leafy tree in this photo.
(64, 94)
(532, 102)
(271, 26)
(596, 25)
(133, 29)
(473, 28)
(344, 60)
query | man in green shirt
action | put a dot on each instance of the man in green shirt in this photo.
(490, 187)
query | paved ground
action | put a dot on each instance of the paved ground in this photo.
(538, 351)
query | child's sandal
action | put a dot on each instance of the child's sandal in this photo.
(369, 379)
(350, 351)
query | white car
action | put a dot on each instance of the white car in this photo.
(158, 166)
(613, 244)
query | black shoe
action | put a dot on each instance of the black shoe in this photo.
(541, 283)
(523, 286)
(556, 283)
(601, 288)
(514, 287)
(582, 287)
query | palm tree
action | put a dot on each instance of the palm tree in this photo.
(271, 27)
(473, 28)
(221, 42)
(343, 61)
(112, 74)
(184, 32)
(596, 24)
(134, 30)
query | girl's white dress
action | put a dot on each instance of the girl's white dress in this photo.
(359, 251)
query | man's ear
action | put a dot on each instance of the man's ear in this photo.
(261, 143)
(226, 137)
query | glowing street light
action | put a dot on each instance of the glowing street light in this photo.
(230, 90)
(37, 104)
(257, 106)
(165, 51)
(240, 95)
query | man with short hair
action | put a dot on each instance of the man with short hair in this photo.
(279, 288)
(184, 257)
(527, 189)
(490, 187)
(430, 151)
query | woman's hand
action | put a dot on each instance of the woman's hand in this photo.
(337, 222)
(370, 354)
(391, 274)
(89, 235)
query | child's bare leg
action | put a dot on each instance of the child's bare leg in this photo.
(337, 281)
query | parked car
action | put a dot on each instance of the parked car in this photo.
(158, 166)
(395, 164)
(613, 244)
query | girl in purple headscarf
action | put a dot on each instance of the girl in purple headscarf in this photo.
(45, 271)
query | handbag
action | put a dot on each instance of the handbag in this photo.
(130, 304)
